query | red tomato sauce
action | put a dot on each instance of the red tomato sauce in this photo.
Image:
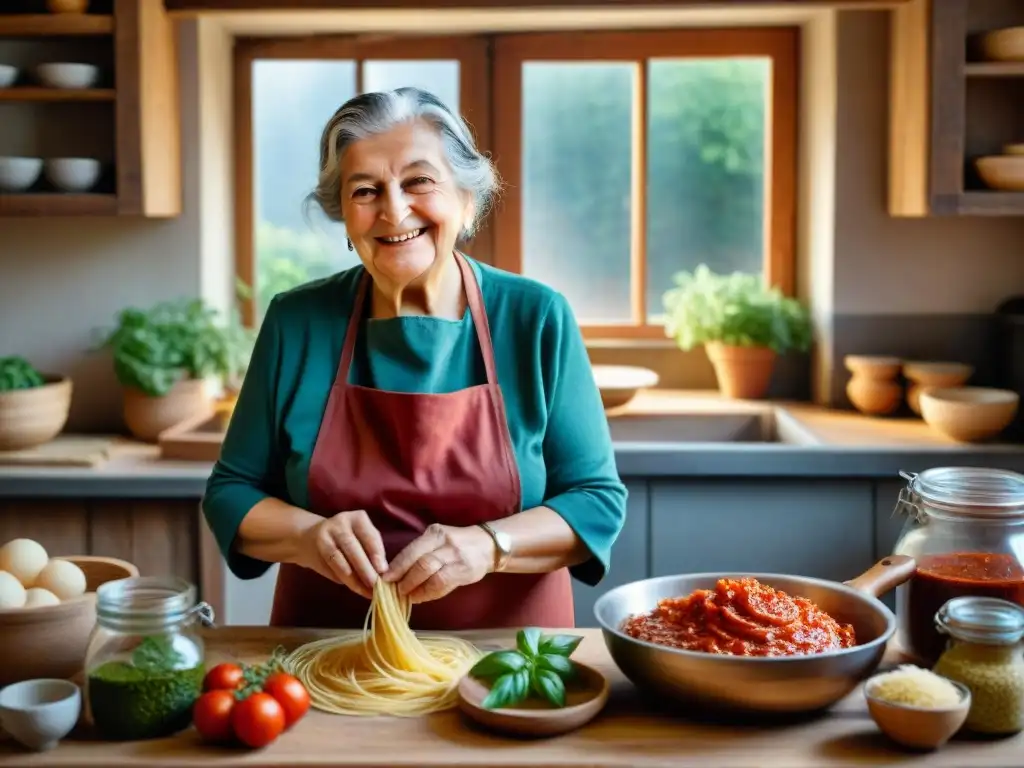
(741, 617)
(939, 578)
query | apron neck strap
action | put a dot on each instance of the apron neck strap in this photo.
(474, 298)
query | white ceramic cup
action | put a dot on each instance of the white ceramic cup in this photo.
(39, 713)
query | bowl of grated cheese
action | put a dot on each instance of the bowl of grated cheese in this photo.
(915, 707)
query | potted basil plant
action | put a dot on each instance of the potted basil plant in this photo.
(742, 324)
(166, 358)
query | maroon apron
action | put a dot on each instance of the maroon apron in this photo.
(411, 460)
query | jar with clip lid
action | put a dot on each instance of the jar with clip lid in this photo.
(146, 658)
(965, 530)
(984, 653)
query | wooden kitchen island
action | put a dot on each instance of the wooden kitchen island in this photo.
(629, 733)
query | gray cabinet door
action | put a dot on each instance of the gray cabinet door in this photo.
(807, 527)
(630, 556)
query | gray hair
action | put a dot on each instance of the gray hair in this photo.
(372, 113)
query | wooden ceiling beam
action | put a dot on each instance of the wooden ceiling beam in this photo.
(186, 7)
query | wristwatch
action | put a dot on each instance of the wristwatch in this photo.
(503, 544)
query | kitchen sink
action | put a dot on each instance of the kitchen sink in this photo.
(757, 427)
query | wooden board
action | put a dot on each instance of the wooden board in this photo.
(196, 439)
(630, 732)
(63, 451)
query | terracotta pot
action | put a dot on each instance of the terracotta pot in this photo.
(147, 416)
(31, 417)
(743, 373)
(873, 389)
(924, 376)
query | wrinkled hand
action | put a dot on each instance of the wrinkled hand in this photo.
(443, 558)
(347, 549)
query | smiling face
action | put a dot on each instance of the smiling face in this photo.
(402, 208)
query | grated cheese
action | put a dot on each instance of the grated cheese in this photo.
(915, 687)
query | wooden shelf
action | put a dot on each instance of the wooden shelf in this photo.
(994, 203)
(43, 25)
(32, 93)
(944, 111)
(136, 42)
(994, 69)
(57, 204)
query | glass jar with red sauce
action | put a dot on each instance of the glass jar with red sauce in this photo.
(965, 529)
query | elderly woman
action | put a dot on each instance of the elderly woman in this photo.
(422, 418)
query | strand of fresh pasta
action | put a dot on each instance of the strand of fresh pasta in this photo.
(386, 669)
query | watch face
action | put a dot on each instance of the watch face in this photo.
(504, 541)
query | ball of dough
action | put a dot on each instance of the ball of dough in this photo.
(12, 593)
(24, 559)
(37, 597)
(63, 578)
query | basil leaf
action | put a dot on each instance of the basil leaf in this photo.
(495, 664)
(506, 691)
(522, 684)
(561, 645)
(561, 665)
(527, 640)
(549, 686)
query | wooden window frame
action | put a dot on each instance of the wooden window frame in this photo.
(491, 98)
(780, 44)
(472, 52)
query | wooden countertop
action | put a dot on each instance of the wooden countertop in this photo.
(627, 733)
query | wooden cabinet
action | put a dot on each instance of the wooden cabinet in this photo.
(129, 120)
(949, 107)
(159, 536)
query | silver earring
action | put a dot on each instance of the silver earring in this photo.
(350, 244)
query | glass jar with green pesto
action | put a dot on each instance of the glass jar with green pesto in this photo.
(146, 659)
(984, 653)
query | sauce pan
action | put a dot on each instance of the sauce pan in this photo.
(788, 685)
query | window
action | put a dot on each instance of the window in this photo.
(627, 156)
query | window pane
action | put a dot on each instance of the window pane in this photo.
(441, 78)
(706, 168)
(577, 162)
(292, 101)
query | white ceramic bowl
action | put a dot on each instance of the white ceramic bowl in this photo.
(8, 74)
(39, 713)
(68, 75)
(19, 173)
(620, 383)
(73, 174)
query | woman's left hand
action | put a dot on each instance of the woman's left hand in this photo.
(441, 559)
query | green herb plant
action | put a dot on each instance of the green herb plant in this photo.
(539, 665)
(736, 309)
(18, 373)
(155, 348)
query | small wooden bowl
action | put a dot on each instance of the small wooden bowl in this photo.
(585, 697)
(969, 414)
(50, 641)
(919, 727)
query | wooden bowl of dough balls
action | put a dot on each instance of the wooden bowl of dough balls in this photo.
(48, 609)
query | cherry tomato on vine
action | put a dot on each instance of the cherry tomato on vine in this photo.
(224, 677)
(290, 693)
(211, 716)
(257, 720)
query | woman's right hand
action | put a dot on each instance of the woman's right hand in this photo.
(346, 548)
